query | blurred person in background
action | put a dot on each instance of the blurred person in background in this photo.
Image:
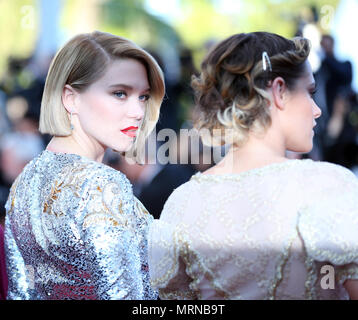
(178, 101)
(23, 101)
(341, 135)
(169, 110)
(161, 179)
(32, 94)
(16, 150)
(73, 228)
(3, 275)
(258, 225)
(5, 123)
(334, 79)
(338, 73)
(183, 89)
(16, 77)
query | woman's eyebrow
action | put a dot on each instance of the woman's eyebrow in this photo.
(127, 87)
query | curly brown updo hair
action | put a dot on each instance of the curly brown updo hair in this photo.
(230, 92)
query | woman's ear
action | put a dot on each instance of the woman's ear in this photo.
(279, 89)
(69, 96)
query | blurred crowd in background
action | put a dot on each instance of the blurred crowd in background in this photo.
(23, 81)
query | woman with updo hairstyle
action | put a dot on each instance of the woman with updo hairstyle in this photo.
(74, 229)
(258, 225)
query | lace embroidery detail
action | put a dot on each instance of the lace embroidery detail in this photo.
(235, 233)
(273, 167)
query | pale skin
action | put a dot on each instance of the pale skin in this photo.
(293, 114)
(99, 114)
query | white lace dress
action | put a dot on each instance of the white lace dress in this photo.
(262, 234)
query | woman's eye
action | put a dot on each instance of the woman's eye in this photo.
(120, 94)
(144, 97)
(312, 93)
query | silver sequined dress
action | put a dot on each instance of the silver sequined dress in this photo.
(74, 230)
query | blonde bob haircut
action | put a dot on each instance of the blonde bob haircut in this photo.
(81, 62)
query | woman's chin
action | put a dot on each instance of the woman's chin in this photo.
(302, 149)
(122, 148)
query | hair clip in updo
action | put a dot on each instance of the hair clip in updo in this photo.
(266, 61)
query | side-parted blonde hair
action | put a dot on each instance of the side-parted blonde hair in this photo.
(230, 91)
(81, 62)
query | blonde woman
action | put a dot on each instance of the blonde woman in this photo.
(74, 230)
(258, 225)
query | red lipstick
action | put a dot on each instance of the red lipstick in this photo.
(130, 131)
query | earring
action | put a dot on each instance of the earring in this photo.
(71, 125)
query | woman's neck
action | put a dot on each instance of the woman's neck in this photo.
(70, 144)
(255, 153)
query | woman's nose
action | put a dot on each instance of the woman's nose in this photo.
(136, 110)
(317, 112)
